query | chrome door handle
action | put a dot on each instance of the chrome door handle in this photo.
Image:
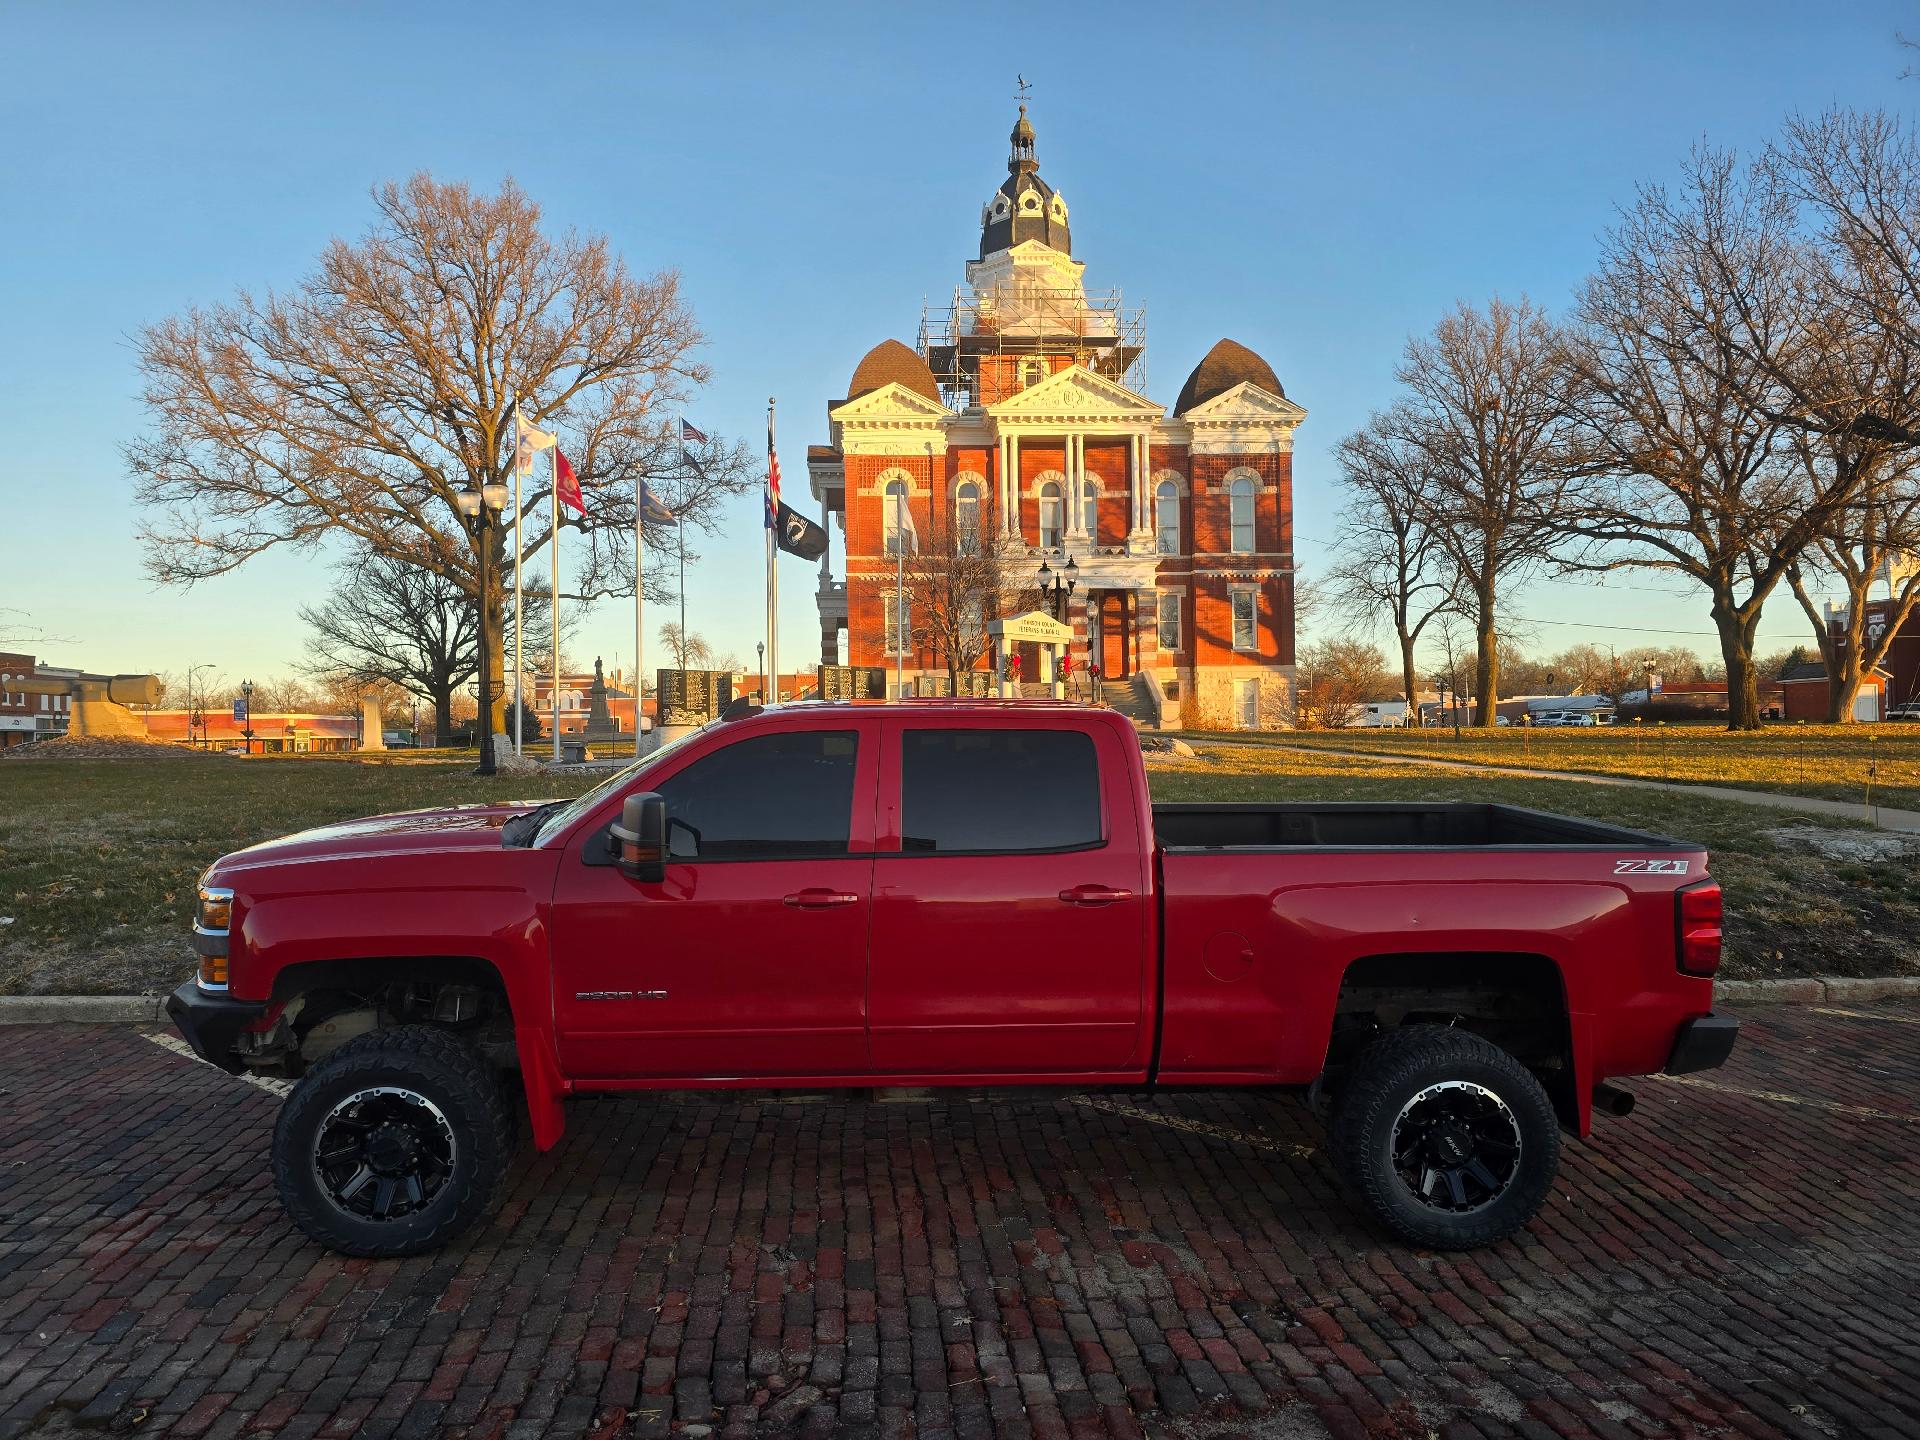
(1094, 895)
(821, 899)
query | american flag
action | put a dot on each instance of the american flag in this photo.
(773, 479)
(690, 436)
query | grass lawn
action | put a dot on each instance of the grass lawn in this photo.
(1829, 762)
(98, 859)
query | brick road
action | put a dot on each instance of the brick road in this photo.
(1742, 1257)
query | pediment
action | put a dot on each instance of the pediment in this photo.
(1247, 402)
(890, 402)
(1079, 394)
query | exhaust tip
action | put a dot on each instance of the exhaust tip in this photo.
(1613, 1100)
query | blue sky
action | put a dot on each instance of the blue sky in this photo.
(1316, 182)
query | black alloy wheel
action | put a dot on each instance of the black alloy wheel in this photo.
(1445, 1139)
(1457, 1146)
(393, 1144)
(384, 1153)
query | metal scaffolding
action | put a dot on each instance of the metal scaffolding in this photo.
(968, 343)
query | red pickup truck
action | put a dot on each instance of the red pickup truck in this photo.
(920, 894)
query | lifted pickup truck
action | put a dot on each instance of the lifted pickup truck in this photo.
(973, 894)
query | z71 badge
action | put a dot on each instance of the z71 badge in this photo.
(1650, 867)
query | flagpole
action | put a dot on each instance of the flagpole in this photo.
(640, 598)
(519, 611)
(770, 685)
(555, 696)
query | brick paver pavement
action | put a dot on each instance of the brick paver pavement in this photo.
(1742, 1257)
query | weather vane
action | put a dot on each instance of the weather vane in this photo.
(1022, 91)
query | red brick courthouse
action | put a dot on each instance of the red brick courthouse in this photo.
(1018, 417)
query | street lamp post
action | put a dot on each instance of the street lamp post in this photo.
(483, 507)
(246, 709)
(1056, 588)
(764, 687)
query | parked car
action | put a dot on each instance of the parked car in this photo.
(939, 894)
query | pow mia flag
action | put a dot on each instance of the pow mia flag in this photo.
(798, 535)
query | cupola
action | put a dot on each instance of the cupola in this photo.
(1025, 207)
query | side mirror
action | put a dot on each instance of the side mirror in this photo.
(640, 837)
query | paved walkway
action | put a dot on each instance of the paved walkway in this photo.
(1905, 821)
(1740, 1258)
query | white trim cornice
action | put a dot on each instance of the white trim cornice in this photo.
(1244, 420)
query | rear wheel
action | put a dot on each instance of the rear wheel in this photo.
(1447, 1140)
(393, 1144)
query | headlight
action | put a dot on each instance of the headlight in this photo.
(216, 910)
(212, 919)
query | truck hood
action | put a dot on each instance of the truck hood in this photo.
(458, 827)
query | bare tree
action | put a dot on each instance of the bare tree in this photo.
(956, 584)
(1486, 412)
(1854, 409)
(1338, 678)
(689, 650)
(360, 403)
(1697, 310)
(387, 622)
(1392, 563)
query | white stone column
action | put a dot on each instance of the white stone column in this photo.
(1005, 486)
(1070, 487)
(1013, 484)
(826, 524)
(1133, 483)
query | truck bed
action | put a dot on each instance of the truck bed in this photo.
(1385, 825)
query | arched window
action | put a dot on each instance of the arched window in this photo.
(1166, 520)
(1051, 515)
(1090, 509)
(966, 517)
(1032, 373)
(894, 517)
(1240, 502)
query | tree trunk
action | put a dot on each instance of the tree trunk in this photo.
(1736, 651)
(1486, 677)
(1847, 670)
(442, 711)
(1407, 678)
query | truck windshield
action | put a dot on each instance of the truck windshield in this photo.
(560, 821)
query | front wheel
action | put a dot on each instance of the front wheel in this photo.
(393, 1144)
(1447, 1140)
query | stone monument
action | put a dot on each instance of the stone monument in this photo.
(98, 703)
(602, 729)
(689, 699)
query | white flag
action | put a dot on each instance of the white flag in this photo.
(527, 440)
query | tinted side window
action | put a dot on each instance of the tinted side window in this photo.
(765, 798)
(998, 790)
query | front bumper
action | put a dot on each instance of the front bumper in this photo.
(1703, 1043)
(211, 1023)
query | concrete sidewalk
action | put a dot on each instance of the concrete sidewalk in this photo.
(1904, 821)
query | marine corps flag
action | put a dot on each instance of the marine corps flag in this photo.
(798, 535)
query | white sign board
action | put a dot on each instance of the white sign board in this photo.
(1031, 628)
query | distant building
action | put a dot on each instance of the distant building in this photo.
(576, 686)
(25, 718)
(1902, 662)
(1808, 693)
(273, 733)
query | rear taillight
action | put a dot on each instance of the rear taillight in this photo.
(1699, 928)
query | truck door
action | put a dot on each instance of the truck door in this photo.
(750, 958)
(1010, 919)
